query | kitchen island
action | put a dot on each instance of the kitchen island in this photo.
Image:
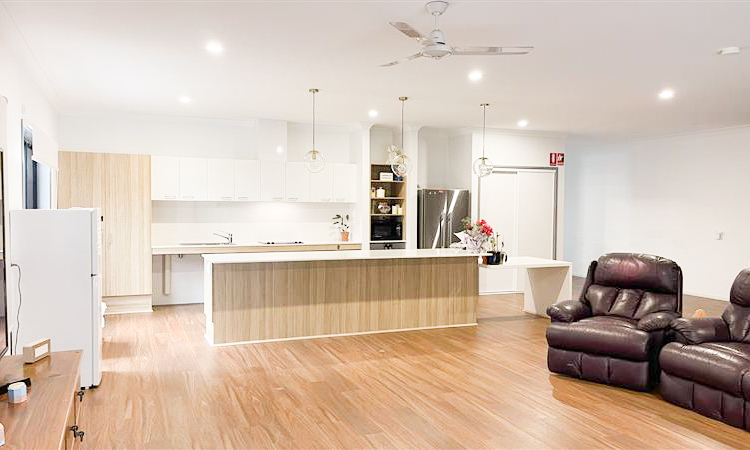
(257, 297)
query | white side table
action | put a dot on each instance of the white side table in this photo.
(547, 281)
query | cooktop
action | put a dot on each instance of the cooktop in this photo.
(281, 242)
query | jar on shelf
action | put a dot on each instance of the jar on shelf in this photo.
(384, 208)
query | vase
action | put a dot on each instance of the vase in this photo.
(474, 245)
(345, 236)
(496, 258)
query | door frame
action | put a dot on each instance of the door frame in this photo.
(516, 169)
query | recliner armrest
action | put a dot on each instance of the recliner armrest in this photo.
(700, 330)
(657, 320)
(568, 311)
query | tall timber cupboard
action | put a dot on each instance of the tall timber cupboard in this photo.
(120, 185)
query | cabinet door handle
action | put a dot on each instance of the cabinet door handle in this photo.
(187, 197)
(328, 199)
(226, 198)
(170, 197)
(241, 198)
(341, 199)
(292, 199)
(278, 198)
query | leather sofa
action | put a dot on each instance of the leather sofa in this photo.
(614, 332)
(707, 368)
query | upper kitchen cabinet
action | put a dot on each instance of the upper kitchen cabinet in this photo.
(297, 182)
(247, 180)
(272, 180)
(221, 179)
(165, 178)
(321, 185)
(344, 183)
(193, 179)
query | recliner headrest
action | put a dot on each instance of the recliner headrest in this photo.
(740, 293)
(639, 271)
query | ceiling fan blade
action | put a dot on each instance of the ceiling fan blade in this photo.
(408, 30)
(408, 58)
(492, 50)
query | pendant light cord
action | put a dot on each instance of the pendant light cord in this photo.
(403, 100)
(313, 114)
(484, 124)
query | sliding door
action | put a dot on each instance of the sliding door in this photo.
(520, 206)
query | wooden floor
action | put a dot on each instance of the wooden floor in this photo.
(475, 387)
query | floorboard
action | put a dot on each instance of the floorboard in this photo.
(475, 387)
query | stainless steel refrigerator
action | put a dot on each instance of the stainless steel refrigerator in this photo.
(440, 214)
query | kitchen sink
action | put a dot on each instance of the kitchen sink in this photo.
(195, 244)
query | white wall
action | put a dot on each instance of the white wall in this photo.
(666, 196)
(158, 135)
(442, 155)
(26, 102)
(520, 149)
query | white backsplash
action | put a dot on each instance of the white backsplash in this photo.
(183, 222)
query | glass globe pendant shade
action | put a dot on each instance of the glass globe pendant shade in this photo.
(482, 167)
(401, 165)
(314, 161)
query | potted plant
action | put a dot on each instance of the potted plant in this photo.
(342, 224)
(495, 248)
(476, 234)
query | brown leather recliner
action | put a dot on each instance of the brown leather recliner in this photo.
(707, 369)
(614, 332)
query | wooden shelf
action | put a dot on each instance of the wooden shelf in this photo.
(387, 198)
(386, 181)
(388, 215)
(386, 242)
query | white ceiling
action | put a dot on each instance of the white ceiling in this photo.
(596, 69)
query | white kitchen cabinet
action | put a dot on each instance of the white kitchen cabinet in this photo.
(321, 185)
(272, 180)
(193, 179)
(344, 183)
(297, 182)
(165, 178)
(246, 180)
(220, 179)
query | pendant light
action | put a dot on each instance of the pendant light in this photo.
(400, 163)
(314, 160)
(483, 166)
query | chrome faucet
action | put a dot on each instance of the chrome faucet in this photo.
(225, 235)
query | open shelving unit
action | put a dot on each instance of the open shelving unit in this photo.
(394, 225)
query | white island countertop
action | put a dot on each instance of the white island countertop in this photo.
(238, 258)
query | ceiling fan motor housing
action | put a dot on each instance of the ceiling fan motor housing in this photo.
(435, 46)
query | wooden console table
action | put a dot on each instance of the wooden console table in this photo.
(45, 419)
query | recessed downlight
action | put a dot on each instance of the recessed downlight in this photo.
(666, 94)
(214, 47)
(523, 123)
(475, 75)
(372, 113)
(726, 51)
(185, 99)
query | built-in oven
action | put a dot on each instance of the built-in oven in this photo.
(386, 229)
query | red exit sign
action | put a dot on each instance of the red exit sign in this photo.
(556, 159)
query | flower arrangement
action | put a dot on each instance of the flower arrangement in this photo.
(475, 234)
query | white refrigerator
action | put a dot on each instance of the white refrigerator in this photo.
(58, 254)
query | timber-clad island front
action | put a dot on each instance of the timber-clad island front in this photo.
(273, 296)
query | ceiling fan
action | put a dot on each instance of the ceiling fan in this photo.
(434, 45)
